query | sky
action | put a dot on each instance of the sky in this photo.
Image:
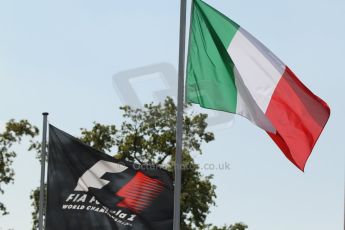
(64, 56)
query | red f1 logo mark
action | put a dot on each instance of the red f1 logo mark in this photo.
(139, 192)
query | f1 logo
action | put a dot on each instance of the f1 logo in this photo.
(92, 177)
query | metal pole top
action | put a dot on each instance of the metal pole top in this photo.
(45, 114)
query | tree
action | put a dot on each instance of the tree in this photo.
(237, 226)
(35, 200)
(147, 136)
(13, 133)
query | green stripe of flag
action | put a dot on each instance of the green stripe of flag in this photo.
(210, 75)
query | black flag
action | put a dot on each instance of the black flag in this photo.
(90, 190)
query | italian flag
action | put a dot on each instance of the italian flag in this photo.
(230, 70)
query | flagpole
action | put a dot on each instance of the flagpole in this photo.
(43, 170)
(179, 121)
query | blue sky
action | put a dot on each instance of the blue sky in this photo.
(60, 56)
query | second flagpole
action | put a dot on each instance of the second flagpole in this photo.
(179, 120)
(43, 171)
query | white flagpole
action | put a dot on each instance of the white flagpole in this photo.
(43, 170)
(179, 121)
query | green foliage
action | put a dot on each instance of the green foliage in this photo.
(147, 136)
(219, 228)
(237, 226)
(35, 200)
(197, 195)
(100, 137)
(13, 133)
